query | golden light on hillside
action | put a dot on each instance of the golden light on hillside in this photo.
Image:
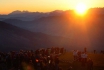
(81, 8)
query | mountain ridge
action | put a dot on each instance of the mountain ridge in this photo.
(14, 38)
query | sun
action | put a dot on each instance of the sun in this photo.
(81, 8)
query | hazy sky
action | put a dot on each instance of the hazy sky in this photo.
(7, 6)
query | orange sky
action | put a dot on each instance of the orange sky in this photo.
(7, 6)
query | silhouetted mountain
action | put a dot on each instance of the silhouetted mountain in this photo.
(58, 26)
(29, 16)
(74, 30)
(14, 38)
(15, 12)
(24, 15)
(80, 31)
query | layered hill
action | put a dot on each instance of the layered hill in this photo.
(80, 31)
(15, 38)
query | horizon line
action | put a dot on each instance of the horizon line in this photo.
(48, 11)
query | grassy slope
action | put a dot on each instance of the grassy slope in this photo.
(98, 60)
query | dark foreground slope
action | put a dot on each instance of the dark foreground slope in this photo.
(14, 38)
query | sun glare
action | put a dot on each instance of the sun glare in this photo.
(81, 8)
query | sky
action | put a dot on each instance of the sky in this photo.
(7, 6)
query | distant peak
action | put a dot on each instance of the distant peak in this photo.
(18, 12)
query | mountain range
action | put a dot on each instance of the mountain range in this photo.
(15, 38)
(29, 16)
(57, 28)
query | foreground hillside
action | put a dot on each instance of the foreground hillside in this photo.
(67, 60)
(15, 38)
